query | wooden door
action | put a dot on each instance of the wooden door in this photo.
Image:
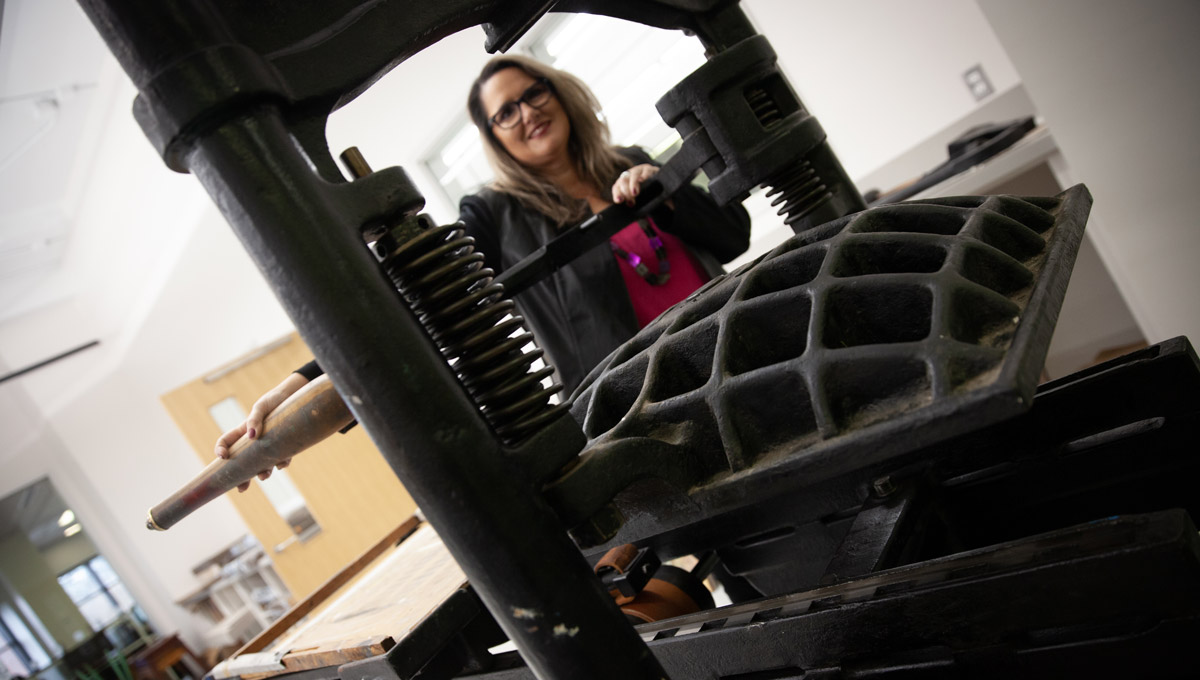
(349, 489)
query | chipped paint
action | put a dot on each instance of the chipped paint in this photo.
(561, 630)
(523, 613)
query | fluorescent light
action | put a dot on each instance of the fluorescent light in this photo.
(72, 530)
(66, 518)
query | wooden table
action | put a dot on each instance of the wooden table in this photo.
(156, 661)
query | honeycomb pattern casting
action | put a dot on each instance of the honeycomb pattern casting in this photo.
(858, 321)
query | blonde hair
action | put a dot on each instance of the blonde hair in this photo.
(589, 146)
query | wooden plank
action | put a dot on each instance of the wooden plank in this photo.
(306, 659)
(400, 591)
(397, 592)
(370, 614)
(318, 596)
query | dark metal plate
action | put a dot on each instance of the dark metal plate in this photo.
(870, 337)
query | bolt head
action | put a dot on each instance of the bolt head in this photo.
(884, 486)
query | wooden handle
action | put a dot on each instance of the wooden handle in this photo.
(307, 417)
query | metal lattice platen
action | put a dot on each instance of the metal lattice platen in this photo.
(855, 341)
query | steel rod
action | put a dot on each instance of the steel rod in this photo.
(46, 362)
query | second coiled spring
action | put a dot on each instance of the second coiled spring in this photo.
(476, 328)
(764, 107)
(799, 189)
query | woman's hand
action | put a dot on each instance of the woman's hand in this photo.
(253, 426)
(627, 186)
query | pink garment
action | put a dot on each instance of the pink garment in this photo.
(650, 301)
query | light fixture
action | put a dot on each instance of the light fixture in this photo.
(66, 518)
(72, 530)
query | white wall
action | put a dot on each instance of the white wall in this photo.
(46, 455)
(400, 119)
(92, 423)
(111, 454)
(885, 81)
(1116, 81)
(881, 76)
(69, 552)
(107, 444)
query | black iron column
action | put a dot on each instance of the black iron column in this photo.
(500, 530)
(304, 233)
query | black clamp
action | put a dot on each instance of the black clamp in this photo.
(626, 570)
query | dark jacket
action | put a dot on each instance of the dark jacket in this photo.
(582, 312)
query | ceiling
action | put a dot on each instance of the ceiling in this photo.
(51, 59)
(35, 511)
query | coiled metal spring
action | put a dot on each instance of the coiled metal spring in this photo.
(476, 328)
(764, 107)
(798, 187)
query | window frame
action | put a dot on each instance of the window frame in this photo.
(105, 590)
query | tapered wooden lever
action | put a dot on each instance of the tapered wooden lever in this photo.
(307, 417)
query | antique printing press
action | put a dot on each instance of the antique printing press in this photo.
(850, 428)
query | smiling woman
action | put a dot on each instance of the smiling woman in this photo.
(555, 165)
(554, 156)
(534, 126)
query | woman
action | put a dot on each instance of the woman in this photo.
(555, 166)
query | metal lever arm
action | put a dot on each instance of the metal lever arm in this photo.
(594, 231)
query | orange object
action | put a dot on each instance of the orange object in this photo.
(660, 600)
(618, 559)
(670, 592)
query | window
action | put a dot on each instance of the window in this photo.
(14, 661)
(97, 592)
(17, 647)
(20, 652)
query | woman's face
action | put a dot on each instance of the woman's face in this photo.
(539, 139)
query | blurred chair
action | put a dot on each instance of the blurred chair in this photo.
(162, 659)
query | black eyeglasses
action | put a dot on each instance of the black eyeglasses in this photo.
(536, 95)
